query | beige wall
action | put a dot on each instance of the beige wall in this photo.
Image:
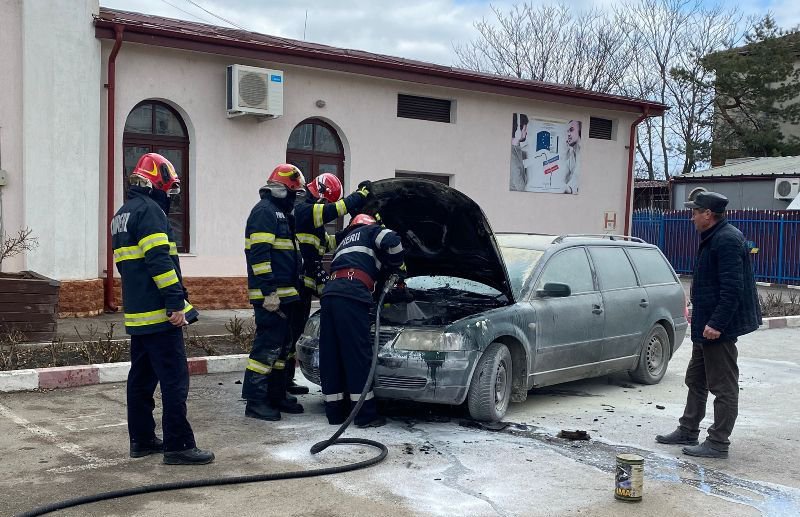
(230, 158)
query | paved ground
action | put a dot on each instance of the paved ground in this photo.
(71, 442)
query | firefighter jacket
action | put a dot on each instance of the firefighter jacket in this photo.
(274, 263)
(311, 218)
(147, 260)
(372, 249)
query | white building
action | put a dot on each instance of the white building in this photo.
(371, 117)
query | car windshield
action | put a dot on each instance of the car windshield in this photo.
(519, 263)
(429, 283)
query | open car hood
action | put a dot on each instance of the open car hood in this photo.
(444, 232)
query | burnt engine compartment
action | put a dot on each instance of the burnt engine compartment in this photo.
(437, 307)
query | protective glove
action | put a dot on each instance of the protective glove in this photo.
(365, 188)
(272, 302)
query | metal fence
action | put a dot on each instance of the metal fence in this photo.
(773, 236)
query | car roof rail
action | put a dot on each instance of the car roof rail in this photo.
(608, 236)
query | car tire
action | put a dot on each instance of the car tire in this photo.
(490, 389)
(654, 357)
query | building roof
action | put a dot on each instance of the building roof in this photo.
(650, 183)
(748, 168)
(169, 32)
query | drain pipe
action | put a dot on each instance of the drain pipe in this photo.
(631, 154)
(108, 284)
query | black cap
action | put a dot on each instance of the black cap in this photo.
(709, 201)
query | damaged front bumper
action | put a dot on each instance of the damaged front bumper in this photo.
(437, 377)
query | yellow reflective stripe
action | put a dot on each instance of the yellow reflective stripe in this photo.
(127, 253)
(187, 306)
(138, 319)
(262, 238)
(173, 248)
(284, 244)
(257, 367)
(317, 214)
(262, 268)
(309, 282)
(255, 294)
(151, 241)
(341, 208)
(166, 279)
(331, 241)
(284, 292)
(279, 365)
(311, 240)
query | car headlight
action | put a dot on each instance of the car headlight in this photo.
(432, 341)
(312, 327)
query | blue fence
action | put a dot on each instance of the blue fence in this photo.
(774, 237)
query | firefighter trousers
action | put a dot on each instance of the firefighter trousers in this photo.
(159, 358)
(303, 311)
(265, 376)
(345, 357)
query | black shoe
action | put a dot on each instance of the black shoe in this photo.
(291, 399)
(705, 450)
(296, 389)
(142, 449)
(287, 406)
(677, 437)
(262, 411)
(193, 456)
(375, 422)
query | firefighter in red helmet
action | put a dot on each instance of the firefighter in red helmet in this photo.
(274, 280)
(156, 307)
(322, 205)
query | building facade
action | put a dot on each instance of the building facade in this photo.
(89, 89)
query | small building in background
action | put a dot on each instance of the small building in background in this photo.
(651, 194)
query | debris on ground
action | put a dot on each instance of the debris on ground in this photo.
(574, 435)
(660, 406)
(488, 426)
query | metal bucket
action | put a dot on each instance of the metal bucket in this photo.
(629, 478)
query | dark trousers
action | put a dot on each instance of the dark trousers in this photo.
(345, 357)
(299, 323)
(159, 358)
(265, 377)
(712, 368)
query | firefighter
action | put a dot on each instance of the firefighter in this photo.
(322, 205)
(366, 254)
(274, 271)
(156, 307)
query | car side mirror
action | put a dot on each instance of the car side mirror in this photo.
(554, 290)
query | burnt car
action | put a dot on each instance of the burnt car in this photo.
(494, 316)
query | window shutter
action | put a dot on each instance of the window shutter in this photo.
(423, 108)
(600, 128)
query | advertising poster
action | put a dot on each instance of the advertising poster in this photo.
(545, 155)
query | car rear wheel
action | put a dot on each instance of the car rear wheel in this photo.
(654, 357)
(490, 390)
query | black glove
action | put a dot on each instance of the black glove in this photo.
(366, 184)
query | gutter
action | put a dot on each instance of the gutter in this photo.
(108, 283)
(631, 154)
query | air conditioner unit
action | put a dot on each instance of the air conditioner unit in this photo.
(254, 91)
(787, 188)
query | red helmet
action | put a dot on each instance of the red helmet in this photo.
(289, 175)
(158, 173)
(362, 219)
(326, 186)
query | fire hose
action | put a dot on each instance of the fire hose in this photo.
(255, 478)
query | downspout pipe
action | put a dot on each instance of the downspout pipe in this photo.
(631, 155)
(108, 284)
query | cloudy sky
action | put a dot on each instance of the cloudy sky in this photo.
(417, 29)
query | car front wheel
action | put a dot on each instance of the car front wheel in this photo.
(490, 390)
(654, 357)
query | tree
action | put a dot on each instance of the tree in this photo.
(757, 90)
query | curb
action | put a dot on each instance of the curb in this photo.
(86, 375)
(780, 322)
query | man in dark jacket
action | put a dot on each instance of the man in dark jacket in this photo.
(724, 307)
(274, 271)
(156, 307)
(366, 253)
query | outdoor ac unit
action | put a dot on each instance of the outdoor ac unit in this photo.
(787, 188)
(254, 91)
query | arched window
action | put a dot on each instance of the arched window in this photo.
(155, 127)
(315, 147)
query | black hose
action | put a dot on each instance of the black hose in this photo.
(316, 448)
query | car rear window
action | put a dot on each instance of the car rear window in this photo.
(651, 266)
(614, 270)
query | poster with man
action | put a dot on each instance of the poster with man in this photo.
(545, 155)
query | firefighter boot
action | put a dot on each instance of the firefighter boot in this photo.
(142, 449)
(262, 411)
(193, 456)
(296, 389)
(276, 394)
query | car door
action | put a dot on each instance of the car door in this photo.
(627, 309)
(568, 330)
